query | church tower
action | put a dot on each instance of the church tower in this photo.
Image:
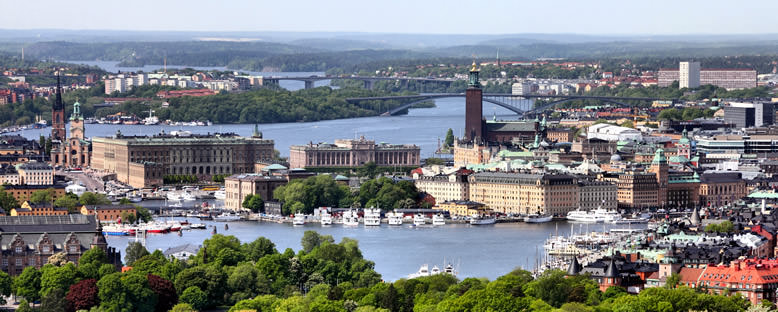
(77, 122)
(474, 122)
(58, 116)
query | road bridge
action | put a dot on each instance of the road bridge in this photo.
(513, 102)
(368, 81)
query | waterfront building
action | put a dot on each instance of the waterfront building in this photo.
(597, 194)
(689, 75)
(75, 151)
(462, 208)
(238, 186)
(452, 187)
(525, 193)
(31, 240)
(637, 190)
(35, 173)
(140, 160)
(353, 153)
(108, 213)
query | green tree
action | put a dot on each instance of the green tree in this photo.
(54, 277)
(134, 251)
(28, 284)
(7, 201)
(259, 248)
(673, 280)
(254, 203)
(449, 138)
(89, 198)
(143, 214)
(6, 286)
(312, 239)
(42, 196)
(54, 301)
(183, 307)
(195, 297)
(67, 202)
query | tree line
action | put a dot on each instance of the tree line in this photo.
(322, 276)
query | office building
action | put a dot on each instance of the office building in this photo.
(728, 78)
(746, 115)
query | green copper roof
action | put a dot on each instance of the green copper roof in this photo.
(659, 157)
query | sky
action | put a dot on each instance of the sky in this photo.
(653, 17)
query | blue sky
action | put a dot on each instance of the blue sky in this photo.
(400, 16)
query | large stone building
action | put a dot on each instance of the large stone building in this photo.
(139, 159)
(524, 193)
(35, 173)
(721, 188)
(637, 190)
(237, 187)
(452, 187)
(29, 241)
(353, 153)
(75, 151)
(597, 194)
(729, 78)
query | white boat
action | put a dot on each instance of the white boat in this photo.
(395, 218)
(220, 194)
(438, 219)
(299, 219)
(198, 226)
(419, 219)
(424, 270)
(598, 215)
(538, 218)
(350, 218)
(226, 217)
(326, 218)
(477, 219)
(173, 196)
(186, 196)
(372, 217)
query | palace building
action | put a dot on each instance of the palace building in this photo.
(354, 153)
(142, 161)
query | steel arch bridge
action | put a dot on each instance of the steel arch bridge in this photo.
(514, 103)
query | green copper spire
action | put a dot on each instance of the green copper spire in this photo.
(659, 157)
(76, 112)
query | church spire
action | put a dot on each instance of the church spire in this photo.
(58, 101)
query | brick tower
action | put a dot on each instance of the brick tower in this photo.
(474, 108)
(58, 116)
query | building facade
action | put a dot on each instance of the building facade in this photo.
(29, 241)
(178, 154)
(36, 173)
(637, 190)
(689, 75)
(108, 213)
(353, 153)
(75, 151)
(237, 187)
(453, 187)
(597, 194)
(523, 193)
(724, 188)
(729, 78)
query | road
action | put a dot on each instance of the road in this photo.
(92, 182)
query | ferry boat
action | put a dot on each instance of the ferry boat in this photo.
(227, 217)
(135, 198)
(598, 215)
(175, 226)
(477, 219)
(438, 219)
(155, 228)
(326, 218)
(395, 218)
(350, 218)
(372, 217)
(220, 194)
(538, 218)
(419, 219)
(115, 230)
(299, 219)
(198, 226)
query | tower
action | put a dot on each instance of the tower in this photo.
(684, 145)
(660, 168)
(611, 277)
(473, 107)
(58, 115)
(689, 74)
(77, 122)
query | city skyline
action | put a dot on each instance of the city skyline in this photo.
(608, 17)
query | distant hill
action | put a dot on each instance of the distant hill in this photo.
(335, 44)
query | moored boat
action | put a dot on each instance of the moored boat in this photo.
(395, 218)
(350, 218)
(419, 219)
(538, 218)
(477, 219)
(372, 217)
(438, 219)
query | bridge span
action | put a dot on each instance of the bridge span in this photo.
(368, 81)
(512, 102)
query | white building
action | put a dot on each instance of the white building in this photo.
(521, 88)
(609, 132)
(689, 75)
(35, 173)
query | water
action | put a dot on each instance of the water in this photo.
(423, 127)
(477, 251)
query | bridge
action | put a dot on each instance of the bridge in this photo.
(367, 80)
(513, 102)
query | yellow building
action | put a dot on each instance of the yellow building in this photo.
(463, 208)
(36, 173)
(444, 188)
(524, 193)
(45, 209)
